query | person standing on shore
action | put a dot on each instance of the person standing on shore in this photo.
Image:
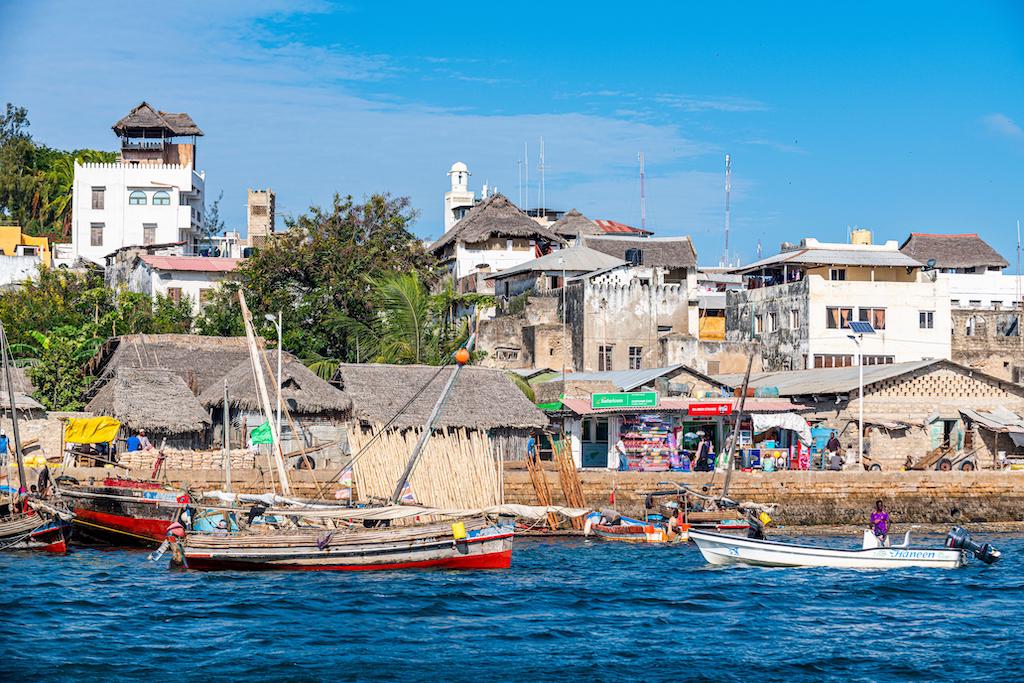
(880, 523)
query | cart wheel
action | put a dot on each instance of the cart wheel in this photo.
(944, 465)
(967, 466)
(875, 468)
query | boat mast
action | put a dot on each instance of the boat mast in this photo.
(428, 428)
(227, 442)
(261, 392)
(736, 427)
(5, 351)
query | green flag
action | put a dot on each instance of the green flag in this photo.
(262, 434)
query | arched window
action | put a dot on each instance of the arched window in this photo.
(976, 326)
(137, 198)
(161, 198)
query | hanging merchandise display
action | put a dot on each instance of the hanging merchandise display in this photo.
(649, 442)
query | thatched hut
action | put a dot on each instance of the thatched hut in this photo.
(199, 360)
(156, 400)
(318, 410)
(482, 400)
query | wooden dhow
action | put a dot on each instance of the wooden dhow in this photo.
(310, 537)
(27, 522)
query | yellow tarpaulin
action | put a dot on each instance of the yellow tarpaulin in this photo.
(91, 430)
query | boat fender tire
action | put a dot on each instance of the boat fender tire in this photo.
(967, 466)
(875, 468)
(66, 479)
(944, 465)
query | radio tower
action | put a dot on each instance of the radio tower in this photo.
(728, 187)
(643, 198)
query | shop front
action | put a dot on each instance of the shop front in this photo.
(660, 434)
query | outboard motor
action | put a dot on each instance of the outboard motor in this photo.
(959, 539)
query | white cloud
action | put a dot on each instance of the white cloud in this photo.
(1003, 125)
(280, 113)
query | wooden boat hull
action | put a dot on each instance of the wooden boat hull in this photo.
(428, 546)
(122, 515)
(33, 531)
(720, 549)
(632, 531)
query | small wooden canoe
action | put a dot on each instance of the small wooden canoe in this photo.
(34, 531)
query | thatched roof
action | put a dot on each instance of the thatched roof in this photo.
(952, 251)
(666, 252)
(302, 391)
(495, 216)
(574, 224)
(154, 399)
(145, 121)
(482, 398)
(200, 361)
(23, 391)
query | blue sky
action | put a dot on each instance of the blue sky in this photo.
(898, 117)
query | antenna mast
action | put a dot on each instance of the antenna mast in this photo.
(728, 189)
(526, 166)
(543, 198)
(643, 198)
(519, 172)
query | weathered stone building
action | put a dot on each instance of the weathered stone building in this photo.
(989, 340)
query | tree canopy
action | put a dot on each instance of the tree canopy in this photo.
(36, 181)
(320, 272)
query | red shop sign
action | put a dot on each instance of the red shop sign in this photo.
(708, 409)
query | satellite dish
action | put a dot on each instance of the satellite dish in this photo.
(930, 263)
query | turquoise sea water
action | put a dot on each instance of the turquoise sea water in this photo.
(567, 610)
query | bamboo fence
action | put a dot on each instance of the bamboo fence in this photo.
(456, 469)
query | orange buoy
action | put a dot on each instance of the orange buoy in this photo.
(462, 356)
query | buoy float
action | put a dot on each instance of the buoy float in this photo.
(462, 356)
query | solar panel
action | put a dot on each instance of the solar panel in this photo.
(861, 327)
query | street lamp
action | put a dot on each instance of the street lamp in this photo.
(269, 317)
(859, 329)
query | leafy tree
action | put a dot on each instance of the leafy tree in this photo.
(36, 181)
(56, 323)
(410, 325)
(213, 224)
(57, 373)
(315, 273)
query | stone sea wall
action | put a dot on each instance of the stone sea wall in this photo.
(804, 498)
(814, 498)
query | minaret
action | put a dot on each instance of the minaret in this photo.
(459, 196)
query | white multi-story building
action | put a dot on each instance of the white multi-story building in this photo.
(152, 195)
(799, 304)
(973, 269)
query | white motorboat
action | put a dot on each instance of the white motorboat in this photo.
(721, 549)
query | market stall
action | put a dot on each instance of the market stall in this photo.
(647, 433)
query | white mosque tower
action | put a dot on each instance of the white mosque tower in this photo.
(460, 198)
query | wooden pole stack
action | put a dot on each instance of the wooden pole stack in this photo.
(572, 488)
(540, 486)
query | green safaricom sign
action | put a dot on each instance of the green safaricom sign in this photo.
(640, 399)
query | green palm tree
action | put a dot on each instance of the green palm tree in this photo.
(410, 325)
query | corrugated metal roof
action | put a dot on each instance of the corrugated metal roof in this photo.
(612, 227)
(840, 257)
(823, 380)
(626, 380)
(192, 264)
(578, 259)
